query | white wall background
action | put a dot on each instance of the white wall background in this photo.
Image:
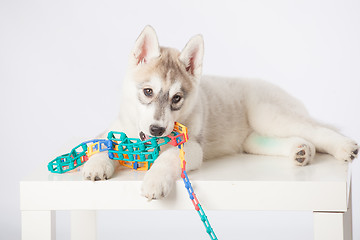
(61, 65)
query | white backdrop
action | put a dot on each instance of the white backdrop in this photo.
(61, 65)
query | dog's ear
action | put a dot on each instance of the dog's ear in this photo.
(146, 46)
(192, 55)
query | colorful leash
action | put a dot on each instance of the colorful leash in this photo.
(190, 190)
(134, 151)
(130, 152)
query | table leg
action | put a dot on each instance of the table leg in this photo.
(39, 225)
(332, 226)
(83, 225)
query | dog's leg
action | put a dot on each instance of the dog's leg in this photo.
(330, 141)
(271, 120)
(99, 167)
(159, 180)
(298, 149)
(193, 155)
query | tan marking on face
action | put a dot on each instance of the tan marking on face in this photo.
(167, 67)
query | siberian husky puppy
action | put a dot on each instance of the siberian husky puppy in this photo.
(223, 115)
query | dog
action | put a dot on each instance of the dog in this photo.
(224, 116)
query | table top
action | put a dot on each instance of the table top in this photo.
(241, 167)
(237, 182)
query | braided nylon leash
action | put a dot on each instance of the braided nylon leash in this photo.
(132, 152)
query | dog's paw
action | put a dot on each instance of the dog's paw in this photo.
(98, 167)
(303, 154)
(347, 151)
(156, 185)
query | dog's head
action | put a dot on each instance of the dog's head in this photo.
(166, 81)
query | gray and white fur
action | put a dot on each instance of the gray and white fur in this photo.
(223, 115)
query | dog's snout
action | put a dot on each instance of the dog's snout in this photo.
(156, 130)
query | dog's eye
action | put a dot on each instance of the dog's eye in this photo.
(176, 99)
(148, 92)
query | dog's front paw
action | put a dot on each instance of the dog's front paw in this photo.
(347, 151)
(98, 167)
(156, 184)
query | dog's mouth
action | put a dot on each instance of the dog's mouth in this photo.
(144, 137)
(159, 132)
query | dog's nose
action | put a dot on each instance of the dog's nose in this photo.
(156, 130)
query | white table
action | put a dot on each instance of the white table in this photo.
(240, 182)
